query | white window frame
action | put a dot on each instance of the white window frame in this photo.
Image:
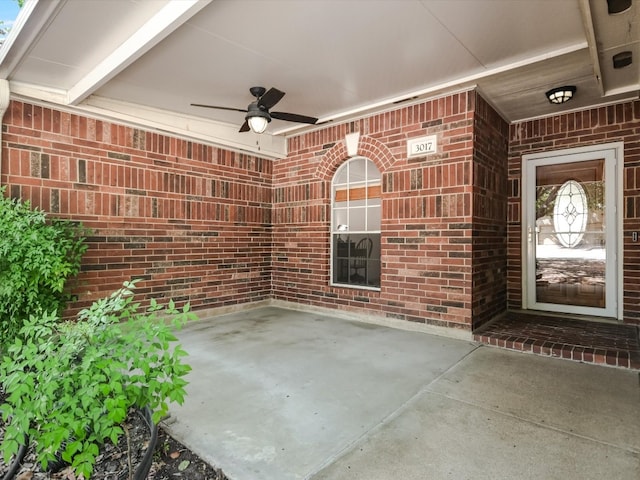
(365, 206)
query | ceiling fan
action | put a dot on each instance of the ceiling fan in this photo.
(258, 115)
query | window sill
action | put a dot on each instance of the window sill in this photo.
(355, 286)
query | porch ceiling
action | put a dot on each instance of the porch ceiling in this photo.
(144, 62)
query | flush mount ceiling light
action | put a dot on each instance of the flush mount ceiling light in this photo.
(618, 6)
(561, 94)
(622, 59)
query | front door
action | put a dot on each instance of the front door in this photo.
(571, 229)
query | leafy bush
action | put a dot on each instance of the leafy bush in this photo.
(69, 385)
(36, 259)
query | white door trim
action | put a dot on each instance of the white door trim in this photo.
(614, 291)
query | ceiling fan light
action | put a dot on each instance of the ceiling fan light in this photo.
(561, 94)
(258, 124)
(257, 118)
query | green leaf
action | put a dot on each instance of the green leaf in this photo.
(80, 378)
(10, 448)
(70, 450)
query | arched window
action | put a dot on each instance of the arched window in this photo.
(355, 224)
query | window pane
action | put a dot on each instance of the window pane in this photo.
(340, 259)
(373, 174)
(373, 218)
(356, 260)
(341, 176)
(340, 217)
(357, 219)
(357, 170)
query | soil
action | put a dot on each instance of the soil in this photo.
(171, 459)
(171, 455)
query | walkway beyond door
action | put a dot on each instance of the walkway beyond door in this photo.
(282, 394)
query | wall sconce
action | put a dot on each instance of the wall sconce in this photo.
(561, 94)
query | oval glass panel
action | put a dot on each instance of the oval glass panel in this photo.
(570, 214)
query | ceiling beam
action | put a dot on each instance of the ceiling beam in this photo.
(37, 92)
(158, 27)
(587, 21)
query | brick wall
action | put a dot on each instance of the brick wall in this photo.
(201, 224)
(489, 233)
(191, 221)
(607, 124)
(427, 221)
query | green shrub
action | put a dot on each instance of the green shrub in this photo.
(69, 385)
(36, 260)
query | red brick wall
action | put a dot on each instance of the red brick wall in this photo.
(608, 124)
(191, 221)
(428, 214)
(200, 224)
(489, 237)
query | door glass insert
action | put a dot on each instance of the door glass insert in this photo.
(570, 234)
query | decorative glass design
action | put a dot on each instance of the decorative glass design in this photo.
(570, 214)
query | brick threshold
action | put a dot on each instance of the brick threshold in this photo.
(616, 345)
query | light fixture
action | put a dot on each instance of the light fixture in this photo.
(257, 118)
(618, 6)
(622, 59)
(561, 94)
(258, 124)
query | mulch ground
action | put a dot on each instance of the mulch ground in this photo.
(175, 461)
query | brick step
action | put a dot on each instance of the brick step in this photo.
(579, 340)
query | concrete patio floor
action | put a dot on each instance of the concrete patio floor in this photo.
(278, 394)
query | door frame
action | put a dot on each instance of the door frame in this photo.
(528, 190)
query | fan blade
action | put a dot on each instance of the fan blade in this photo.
(270, 98)
(293, 117)
(219, 108)
(245, 127)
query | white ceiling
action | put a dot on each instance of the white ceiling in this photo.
(145, 61)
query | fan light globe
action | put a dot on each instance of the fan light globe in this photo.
(258, 124)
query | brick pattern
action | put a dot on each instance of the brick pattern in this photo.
(190, 221)
(615, 345)
(428, 213)
(620, 122)
(489, 236)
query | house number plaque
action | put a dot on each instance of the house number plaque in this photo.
(422, 146)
